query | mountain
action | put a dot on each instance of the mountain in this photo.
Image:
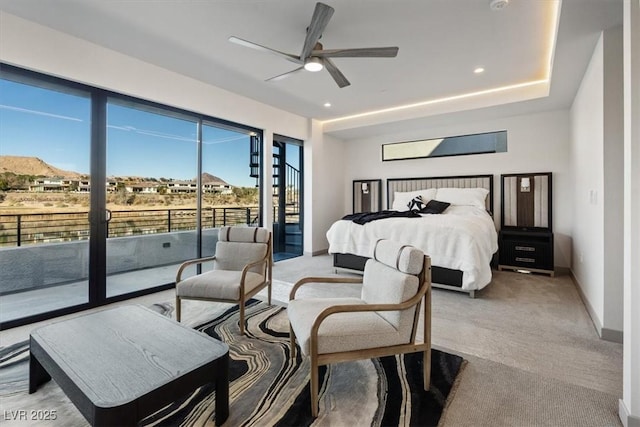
(207, 178)
(21, 165)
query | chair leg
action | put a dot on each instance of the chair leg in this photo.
(178, 313)
(241, 318)
(426, 369)
(314, 387)
(269, 291)
(292, 342)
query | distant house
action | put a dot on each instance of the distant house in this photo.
(84, 186)
(53, 184)
(112, 186)
(40, 185)
(143, 188)
(214, 187)
(178, 187)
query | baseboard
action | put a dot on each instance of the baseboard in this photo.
(611, 335)
(627, 419)
(604, 333)
(316, 253)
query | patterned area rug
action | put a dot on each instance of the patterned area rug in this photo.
(268, 388)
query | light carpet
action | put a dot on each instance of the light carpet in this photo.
(267, 387)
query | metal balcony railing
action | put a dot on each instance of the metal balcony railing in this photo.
(35, 228)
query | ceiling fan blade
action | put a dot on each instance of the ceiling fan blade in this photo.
(284, 75)
(366, 52)
(337, 75)
(252, 45)
(321, 16)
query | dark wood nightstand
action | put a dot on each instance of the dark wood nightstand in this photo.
(526, 250)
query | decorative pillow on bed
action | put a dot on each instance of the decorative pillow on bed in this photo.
(417, 204)
(463, 196)
(435, 207)
(401, 199)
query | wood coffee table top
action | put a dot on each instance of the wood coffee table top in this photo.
(117, 356)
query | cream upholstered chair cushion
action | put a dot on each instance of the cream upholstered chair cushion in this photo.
(389, 278)
(241, 268)
(218, 284)
(233, 251)
(382, 322)
(340, 331)
(236, 247)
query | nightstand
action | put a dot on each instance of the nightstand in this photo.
(526, 250)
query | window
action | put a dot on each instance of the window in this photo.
(482, 143)
(156, 182)
(45, 182)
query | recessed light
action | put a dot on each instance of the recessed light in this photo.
(327, 104)
(479, 70)
(498, 4)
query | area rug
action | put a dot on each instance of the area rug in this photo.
(268, 388)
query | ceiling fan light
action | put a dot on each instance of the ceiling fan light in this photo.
(313, 64)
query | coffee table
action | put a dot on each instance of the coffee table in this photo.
(120, 365)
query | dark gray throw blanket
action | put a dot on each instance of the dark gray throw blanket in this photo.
(364, 217)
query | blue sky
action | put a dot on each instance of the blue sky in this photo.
(55, 127)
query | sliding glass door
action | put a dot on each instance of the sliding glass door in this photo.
(45, 185)
(102, 195)
(151, 197)
(231, 191)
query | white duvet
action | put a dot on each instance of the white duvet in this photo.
(462, 238)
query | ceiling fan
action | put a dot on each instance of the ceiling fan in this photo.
(313, 56)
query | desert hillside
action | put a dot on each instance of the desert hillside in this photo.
(207, 178)
(21, 165)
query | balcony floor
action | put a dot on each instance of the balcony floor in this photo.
(21, 304)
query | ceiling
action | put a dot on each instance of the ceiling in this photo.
(440, 43)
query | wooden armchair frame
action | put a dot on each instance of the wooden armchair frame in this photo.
(317, 360)
(267, 261)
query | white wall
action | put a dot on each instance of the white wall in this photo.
(629, 408)
(613, 167)
(587, 138)
(597, 155)
(535, 143)
(323, 195)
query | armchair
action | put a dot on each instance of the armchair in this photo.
(242, 267)
(382, 322)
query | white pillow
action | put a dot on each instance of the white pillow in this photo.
(401, 199)
(463, 196)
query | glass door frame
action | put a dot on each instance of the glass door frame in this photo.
(98, 224)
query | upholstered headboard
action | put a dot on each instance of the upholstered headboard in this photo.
(466, 181)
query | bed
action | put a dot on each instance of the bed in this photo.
(461, 241)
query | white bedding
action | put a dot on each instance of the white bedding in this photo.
(462, 238)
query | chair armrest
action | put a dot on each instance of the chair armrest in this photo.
(306, 280)
(249, 266)
(191, 262)
(254, 264)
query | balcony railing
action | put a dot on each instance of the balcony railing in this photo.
(34, 228)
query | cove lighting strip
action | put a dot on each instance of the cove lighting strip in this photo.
(553, 21)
